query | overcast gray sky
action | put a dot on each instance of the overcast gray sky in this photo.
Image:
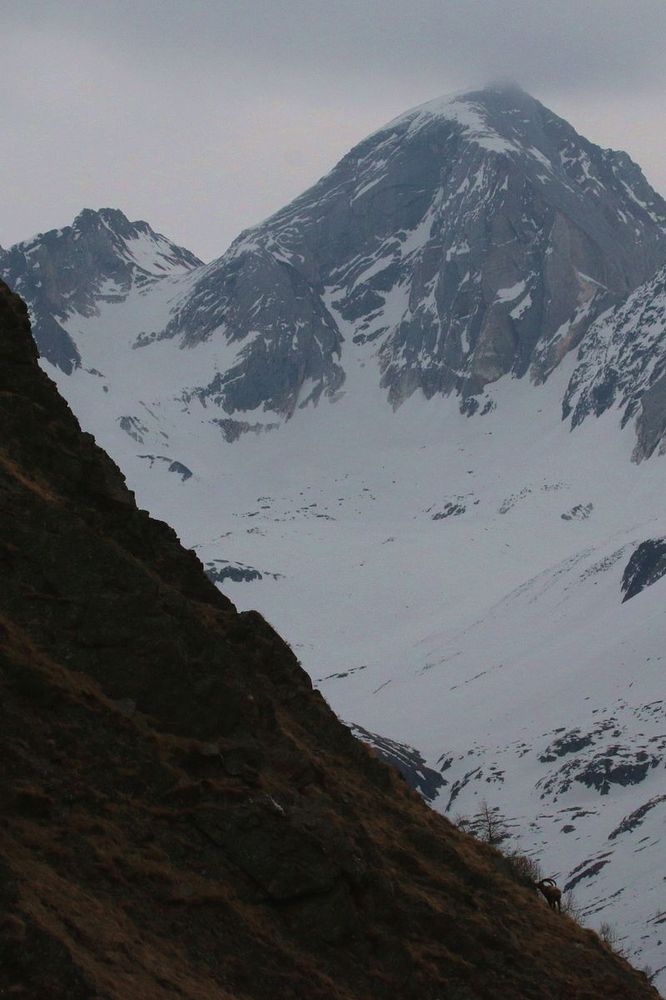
(204, 116)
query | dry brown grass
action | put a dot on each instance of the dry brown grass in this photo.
(35, 484)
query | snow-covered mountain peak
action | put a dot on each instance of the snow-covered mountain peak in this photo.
(503, 118)
(472, 237)
(500, 118)
(151, 253)
(69, 272)
(467, 110)
(98, 237)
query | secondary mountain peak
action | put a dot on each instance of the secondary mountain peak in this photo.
(113, 218)
(72, 271)
(157, 256)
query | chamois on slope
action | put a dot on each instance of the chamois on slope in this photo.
(553, 895)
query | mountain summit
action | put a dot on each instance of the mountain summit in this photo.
(473, 236)
(99, 258)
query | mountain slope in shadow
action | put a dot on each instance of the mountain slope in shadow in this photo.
(181, 815)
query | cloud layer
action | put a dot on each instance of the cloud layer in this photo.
(203, 116)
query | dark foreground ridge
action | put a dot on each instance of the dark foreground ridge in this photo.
(181, 816)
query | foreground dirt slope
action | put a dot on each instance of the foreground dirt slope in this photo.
(181, 816)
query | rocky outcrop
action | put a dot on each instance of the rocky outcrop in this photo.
(289, 339)
(407, 760)
(181, 813)
(646, 565)
(651, 421)
(622, 364)
(219, 570)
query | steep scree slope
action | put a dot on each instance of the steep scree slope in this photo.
(181, 814)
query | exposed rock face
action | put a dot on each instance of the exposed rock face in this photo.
(469, 238)
(646, 566)
(407, 760)
(289, 338)
(622, 363)
(180, 812)
(651, 421)
(70, 271)
(219, 570)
